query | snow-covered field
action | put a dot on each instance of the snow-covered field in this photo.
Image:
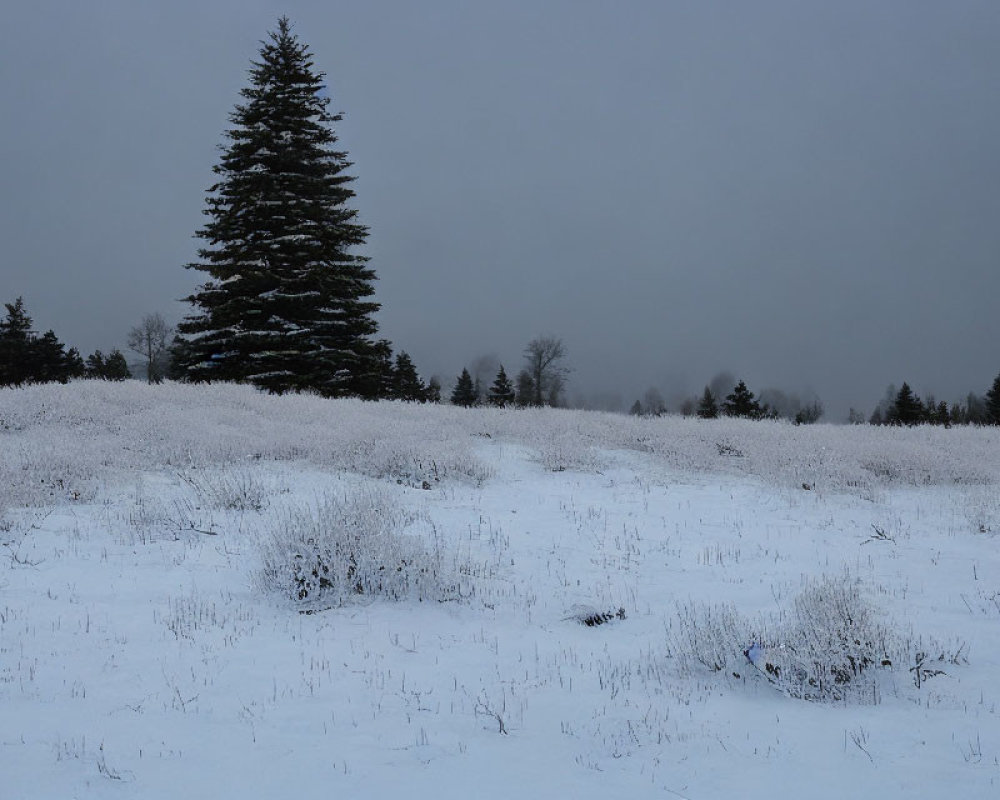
(153, 643)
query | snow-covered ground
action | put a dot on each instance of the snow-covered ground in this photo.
(151, 645)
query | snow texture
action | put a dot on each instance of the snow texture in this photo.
(151, 645)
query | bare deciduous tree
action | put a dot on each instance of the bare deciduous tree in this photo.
(543, 359)
(149, 339)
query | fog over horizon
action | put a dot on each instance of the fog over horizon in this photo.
(803, 194)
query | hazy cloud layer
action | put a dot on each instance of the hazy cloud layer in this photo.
(802, 193)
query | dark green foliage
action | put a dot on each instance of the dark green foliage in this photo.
(285, 306)
(15, 343)
(742, 403)
(380, 379)
(112, 368)
(95, 365)
(993, 403)
(48, 358)
(28, 358)
(636, 409)
(75, 368)
(464, 393)
(406, 382)
(502, 391)
(708, 408)
(943, 415)
(907, 408)
(116, 367)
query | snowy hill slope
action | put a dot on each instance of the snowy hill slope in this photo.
(153, 641)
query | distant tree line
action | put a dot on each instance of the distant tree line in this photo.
(541, 381)
(904, 407)
(27, 357)
(897, 407)
(715, 401)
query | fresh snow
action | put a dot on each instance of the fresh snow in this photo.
(141, 657)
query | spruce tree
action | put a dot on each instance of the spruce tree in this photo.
(48, 358)
(943, 414)
(116, 367)
(75, 368)
(502, 391)
(707, 407)
(406, 382)
(742, 403)
(16, 361)
(993, 403)
(286, 305)
(95, 365)
(464, 393)
(907, 408)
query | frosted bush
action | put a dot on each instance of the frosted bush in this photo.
(837, 640)
(347, 547)
(829, 647)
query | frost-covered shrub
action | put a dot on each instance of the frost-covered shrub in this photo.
(347, 547)
(828, 647)
(837, 639)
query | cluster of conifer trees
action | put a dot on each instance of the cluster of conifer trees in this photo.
(27, 357)
(741, 402)
(904, 407)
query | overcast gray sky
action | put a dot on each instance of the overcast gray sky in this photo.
(806, 194)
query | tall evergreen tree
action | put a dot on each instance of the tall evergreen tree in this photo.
(464, 393)
(286, 304)
(16, 365)
(502, 391)
(993, 403)
(406, 382)
(707, 407)
(48, 358)
(907, 409)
